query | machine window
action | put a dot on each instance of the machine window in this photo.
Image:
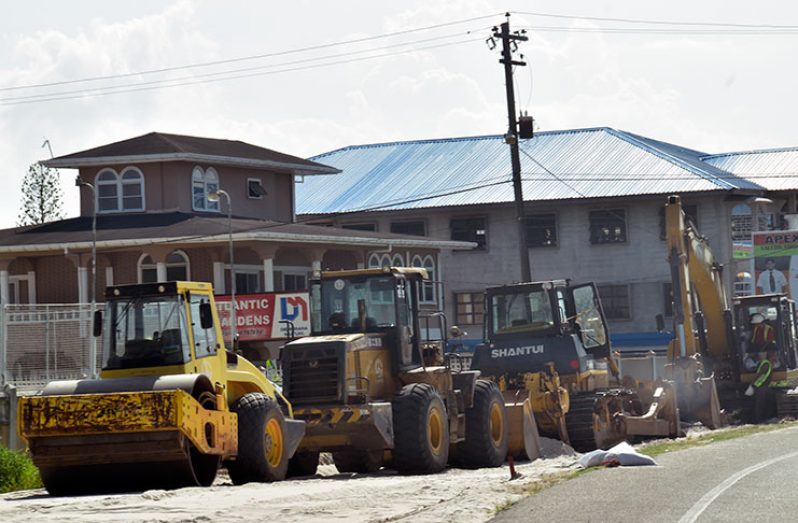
(588, 318)
(524, 312)
(344, 300)
(144, 332)
(205, 343)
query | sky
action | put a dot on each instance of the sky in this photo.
(714, 88)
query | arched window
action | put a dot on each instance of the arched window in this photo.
(427, 291)
(177, 268)
(204, 182)
(132, 192)
(120, 193)
(377, 260)
(107, 184)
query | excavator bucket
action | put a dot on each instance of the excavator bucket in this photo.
(698, 400)
(523, 437)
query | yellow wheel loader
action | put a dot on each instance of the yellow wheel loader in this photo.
(170, 407)
(546, 345)
(375, 389)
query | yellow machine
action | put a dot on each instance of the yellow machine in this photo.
(171, 405)
(546, 344)
(712, 341)
(374, 390)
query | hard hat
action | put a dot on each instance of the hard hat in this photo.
(757, 318)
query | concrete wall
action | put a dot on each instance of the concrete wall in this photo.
(640, 262)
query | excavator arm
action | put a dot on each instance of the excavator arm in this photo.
(697, 287)
(701, 317)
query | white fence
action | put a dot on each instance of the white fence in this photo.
(40, 343)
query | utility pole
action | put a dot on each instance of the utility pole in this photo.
(509, 46)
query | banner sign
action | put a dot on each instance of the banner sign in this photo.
(776, 262)
(259, 316)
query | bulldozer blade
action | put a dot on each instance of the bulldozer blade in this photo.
(523, 438)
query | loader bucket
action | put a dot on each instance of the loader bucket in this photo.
(523, 438)
(698, 400)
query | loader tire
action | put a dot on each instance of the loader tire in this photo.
(486, 433)
(360, 461)
(261, 440)
(421, 430)
(303, 464)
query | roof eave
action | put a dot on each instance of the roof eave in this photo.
(350, 241)
(294, 168)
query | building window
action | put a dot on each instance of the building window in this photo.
(204, 182)
(120, 193)
(667, 294)
(247, 281)
(293, 282)
(360, 226)
(427, 290)
(470, 308)
(690, 211)
(615, 301)
(541, 230)
(378, 261)
(608, 226)
(742, 223)
(177, 268)
(411, 228)
(469, 230)
(255, 190)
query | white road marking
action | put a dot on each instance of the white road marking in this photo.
(702, 504)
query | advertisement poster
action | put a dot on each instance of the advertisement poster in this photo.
(262, 317)
(776, 263)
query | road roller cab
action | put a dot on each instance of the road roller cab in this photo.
(171, 404)
(371, 384)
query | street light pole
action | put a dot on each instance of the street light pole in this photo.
(93, 348)
(214, 197)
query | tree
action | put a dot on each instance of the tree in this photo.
(42, 196)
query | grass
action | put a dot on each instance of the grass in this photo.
(661, 447)
(17, 471)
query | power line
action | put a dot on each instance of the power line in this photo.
(645, 31)
(654, 22)
(100, 90)
(125, 89)
(251, 57)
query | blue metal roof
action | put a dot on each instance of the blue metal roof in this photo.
(555, 165)
(775, 169)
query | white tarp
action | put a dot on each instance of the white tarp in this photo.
(621, 454)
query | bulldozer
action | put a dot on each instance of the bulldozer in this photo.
(711, 357)
(547, 346)
(171, 405)
(375, 384)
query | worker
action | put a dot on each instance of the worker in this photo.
(762, 334)
(761, 386)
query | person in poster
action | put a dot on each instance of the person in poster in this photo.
(771, 280)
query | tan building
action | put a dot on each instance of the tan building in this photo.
(156, 223)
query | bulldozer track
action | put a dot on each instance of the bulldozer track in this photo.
(579, 422)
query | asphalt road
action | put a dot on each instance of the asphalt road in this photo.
(749, 479)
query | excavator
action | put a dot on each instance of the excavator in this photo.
(712, 358)
(546, 344)
(376, 387)
(170, 407)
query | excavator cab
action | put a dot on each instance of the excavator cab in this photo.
(766, 322)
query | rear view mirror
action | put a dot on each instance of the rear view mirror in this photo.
(97, 326)
(206, 315)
